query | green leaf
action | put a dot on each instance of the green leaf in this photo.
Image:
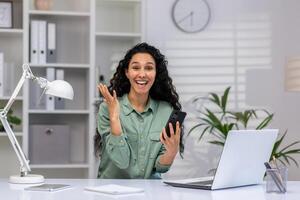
(213, 117)
(277, 143)
(215, 99)
(265, 122)
(291, 158)
(294, 151)
(217, 142)
(290, 145)
(224, 99)
(203, 132)
(194, 127)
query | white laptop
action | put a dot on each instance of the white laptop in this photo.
(241, 162)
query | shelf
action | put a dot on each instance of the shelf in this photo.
(32, 111)
(118, 34)
(58, 166)
(61, 65)
(5, 98)
(18, 134)
(11, 31)
(60, 13)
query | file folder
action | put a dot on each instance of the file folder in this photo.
(42, 42)
(50, 103)
(8, 78)
(59, 102)
(51, 43)
(34, 38)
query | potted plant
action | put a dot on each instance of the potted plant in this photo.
(220, 120)
(12, 120)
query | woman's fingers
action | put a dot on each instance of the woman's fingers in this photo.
(105, 93)
(178, 131)
(162, 140)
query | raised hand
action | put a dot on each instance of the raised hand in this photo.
(113, 108)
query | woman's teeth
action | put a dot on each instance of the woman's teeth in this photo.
(141, 82)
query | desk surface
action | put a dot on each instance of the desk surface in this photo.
(154, 189)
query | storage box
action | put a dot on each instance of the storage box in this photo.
(49, 144)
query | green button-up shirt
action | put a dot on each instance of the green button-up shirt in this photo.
(136, 152)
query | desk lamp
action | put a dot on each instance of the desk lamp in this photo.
(57, 88)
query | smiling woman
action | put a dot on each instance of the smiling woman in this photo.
(132, 141)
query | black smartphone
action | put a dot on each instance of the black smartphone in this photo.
(176, 116)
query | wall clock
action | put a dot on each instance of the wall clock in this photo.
(191, 16)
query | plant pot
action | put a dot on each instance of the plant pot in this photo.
(43, 4)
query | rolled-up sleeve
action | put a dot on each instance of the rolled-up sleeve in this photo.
(116, 146)
(159, 167)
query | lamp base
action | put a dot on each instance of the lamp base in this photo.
(28, 179)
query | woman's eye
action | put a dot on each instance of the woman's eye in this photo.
(149, 68)
(135, 67)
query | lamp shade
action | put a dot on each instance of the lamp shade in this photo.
(60, 88)
(292, 74)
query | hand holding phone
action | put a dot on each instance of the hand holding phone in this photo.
(176, 116)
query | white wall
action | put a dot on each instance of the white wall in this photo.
(264, 87)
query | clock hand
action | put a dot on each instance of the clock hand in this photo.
(185, 17)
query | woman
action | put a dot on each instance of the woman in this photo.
(132, 140)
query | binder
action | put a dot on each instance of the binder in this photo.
(42, 42)
(8, 78)
(51, 43)
(1, 74)
(37, 100)
(50, 103)
(34, 40)
(59, 102)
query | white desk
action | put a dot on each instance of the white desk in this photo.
(154, 189)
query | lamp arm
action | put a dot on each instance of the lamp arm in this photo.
(27, 74)
(24, 162)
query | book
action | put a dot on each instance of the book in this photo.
(48, 187)
(114, 189)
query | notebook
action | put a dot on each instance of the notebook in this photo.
(241, 162)
(114, 189)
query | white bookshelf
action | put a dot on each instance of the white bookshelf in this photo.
(91, 35)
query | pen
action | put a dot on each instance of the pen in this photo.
(275, 177)
(277, 167)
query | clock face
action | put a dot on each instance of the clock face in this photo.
(191, 16)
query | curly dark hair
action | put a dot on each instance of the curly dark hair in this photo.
(162, 88)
